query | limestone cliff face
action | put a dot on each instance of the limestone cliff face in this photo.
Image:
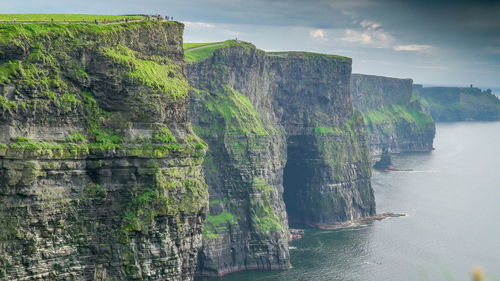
(100, 171)
(394, 120)
(281, 131)
(458, 104)
(247, 227)
(327, 175)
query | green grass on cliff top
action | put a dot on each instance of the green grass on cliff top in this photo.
(307, 55)
(195, 52)
(63, 17)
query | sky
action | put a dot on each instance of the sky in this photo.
(449, 42)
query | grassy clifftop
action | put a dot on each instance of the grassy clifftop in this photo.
(458, 103)
(195, 52)
(310, 55)
(65, 17)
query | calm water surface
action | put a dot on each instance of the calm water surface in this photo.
(452, 198)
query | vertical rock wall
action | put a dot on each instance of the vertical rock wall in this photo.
(270, 118)
(394, 119)
(247, 226)
(100, 172)
(327, 176)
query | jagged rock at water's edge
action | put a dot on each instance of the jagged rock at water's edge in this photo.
(385, 162)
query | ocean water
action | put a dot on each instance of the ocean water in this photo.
(452, 201)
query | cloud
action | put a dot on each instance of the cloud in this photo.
(413, 48)
(370, 24)
(191, 24)
(371, 33)
(493, 50)
(318, 33)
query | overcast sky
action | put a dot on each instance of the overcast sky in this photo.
(454, 42)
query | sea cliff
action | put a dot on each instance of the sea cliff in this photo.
(394, 119)
(100, 170)
(458, 103)
(284, 145)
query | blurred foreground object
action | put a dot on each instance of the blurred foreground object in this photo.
(477, 274)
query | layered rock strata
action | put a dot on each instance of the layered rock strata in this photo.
(281, 132)
(394, 119)
(100, 170)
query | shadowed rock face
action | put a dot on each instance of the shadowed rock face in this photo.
(278, 125)
(385, 162)
(394, 120)
(100, 173)
(446, 104)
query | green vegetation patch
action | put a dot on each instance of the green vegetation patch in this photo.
(214, 225)
(321, 130)
(7, 70)
(196, 52)
(65, 17)
(95, 192)
(309, 55)
(346, 147)
(393, 113)
(161, 199)
(264, 217)
(164, 77)
(187, 46)
(102, 138)
(230, 112)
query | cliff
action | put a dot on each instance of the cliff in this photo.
(282, 133)
(458, 104)
(100, 170)
(394, 120)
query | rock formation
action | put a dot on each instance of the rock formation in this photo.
(281, 131)
(100, 171)
(385, 162)
(393, 119)
(458, 104)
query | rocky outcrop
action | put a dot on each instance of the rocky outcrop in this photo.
(393, 119)
(281, 131)
(100, 171)
(385, 162)
(458, 104)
